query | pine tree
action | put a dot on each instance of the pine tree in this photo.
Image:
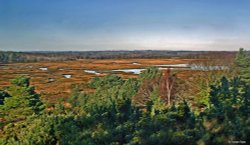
(23, 101)
(242, 62)
(3, 94)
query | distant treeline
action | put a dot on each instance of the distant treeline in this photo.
(9, 57)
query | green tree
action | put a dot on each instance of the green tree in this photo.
(106, 82)
(228, 116)
(242, 62)
(3, 94)
(23, 101)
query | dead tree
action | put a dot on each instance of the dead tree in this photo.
(167, 85)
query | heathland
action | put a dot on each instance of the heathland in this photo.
(141, 97)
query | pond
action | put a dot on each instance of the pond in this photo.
(162, 67)
(139, 70)
(51, 79)
(67, 76)
(91, 72)
(29, 66)
(135, 71)
(43, 68)
(136, 63)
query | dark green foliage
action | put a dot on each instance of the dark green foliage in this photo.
(172, 126)
(3, 94)
(21, 81)
(77, 98)
(106, 82)
(242, 62)
(110, 90)
(228, 115)
(49, 130)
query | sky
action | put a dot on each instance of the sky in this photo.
(83, 25)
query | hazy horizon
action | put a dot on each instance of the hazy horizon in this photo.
(118, 50)
(76, 25)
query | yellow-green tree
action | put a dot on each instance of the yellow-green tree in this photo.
(23, 101)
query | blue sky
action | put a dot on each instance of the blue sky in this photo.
(27, 25)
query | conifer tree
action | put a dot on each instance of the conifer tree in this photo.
(242, 62)
(23, 101)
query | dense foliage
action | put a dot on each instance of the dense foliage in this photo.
(111, 115)
(242, 62)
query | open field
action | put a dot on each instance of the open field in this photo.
(55, 80)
